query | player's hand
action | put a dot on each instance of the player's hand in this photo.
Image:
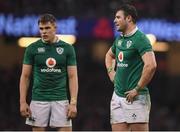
(25, 110)
(72, 111)
(131, 94)
(112, 75)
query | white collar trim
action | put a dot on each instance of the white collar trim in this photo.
(56, 39)
(131, 33)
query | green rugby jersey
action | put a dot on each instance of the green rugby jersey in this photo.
(49, 62)
(128, 51)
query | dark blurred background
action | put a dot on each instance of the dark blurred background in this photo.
(94, 36)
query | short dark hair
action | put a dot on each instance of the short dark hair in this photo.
(44, 18)
(129, 10)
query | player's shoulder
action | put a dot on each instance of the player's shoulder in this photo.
(64, 44)
(35, 44)
(118, 38)
(140, 35)
(141, 38)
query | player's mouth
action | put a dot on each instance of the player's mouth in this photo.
(44, 36)
(117, 26)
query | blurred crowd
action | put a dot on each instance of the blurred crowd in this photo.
(91, 8)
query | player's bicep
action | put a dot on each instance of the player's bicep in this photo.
(149, 58)
(72, 71)
(110, 53)
(26, 70)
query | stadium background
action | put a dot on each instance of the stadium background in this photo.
(93, 37)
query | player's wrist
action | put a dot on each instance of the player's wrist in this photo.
(109, 69)
(73, 101)
(137, 88)
(22, 102)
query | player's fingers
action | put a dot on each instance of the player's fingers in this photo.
(68, 111)
(69, 114)
(73, 115)
(127, 97)
(28, 115)
(126, 93)
(23, 113)
(131, 99)
(26, 112)
(29, 111)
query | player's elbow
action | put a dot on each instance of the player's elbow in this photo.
(154, 66)
(151, 67)
(25, 76)
(72, 75)
(107, 55)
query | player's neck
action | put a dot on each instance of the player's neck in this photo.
(53, 40)
(130, 30)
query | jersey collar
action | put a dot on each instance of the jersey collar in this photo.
(131, 33)
(56, 40)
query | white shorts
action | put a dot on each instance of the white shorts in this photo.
(123, 111)
(52, 113)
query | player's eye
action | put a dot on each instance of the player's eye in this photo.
(47, 28)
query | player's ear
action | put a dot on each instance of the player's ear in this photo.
(55, 25)
(129, 18)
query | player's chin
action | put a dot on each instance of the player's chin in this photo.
(118, 29)
(46, 39)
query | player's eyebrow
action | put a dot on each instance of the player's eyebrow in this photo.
(41, 28)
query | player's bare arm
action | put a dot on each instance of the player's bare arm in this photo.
(148, 69)
(24, 85)
(110, 62)
(147, 74)
(73, 88)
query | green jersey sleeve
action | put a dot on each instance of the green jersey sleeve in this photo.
(143, 45)
(71, 56)
(28, 56)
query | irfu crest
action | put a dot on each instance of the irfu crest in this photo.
(59, 50)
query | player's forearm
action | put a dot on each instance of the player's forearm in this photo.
(24, 85)
(147, 74)
(73, 88)
(109, 61)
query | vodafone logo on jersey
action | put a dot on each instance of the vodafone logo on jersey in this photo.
(50, 62)
(121, 56)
